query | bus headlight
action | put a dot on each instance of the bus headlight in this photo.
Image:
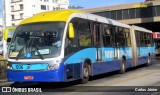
(53, 67)
(9, 67)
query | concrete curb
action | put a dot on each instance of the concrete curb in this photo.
(1, 81)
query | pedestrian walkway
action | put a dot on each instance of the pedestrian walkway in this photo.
(3, 79)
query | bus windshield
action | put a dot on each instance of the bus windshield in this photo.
(37, 40)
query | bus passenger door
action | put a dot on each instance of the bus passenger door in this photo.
(115, 40)
(98, 41)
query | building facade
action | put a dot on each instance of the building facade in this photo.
(1, 29)
(1, 32)
(16, 10)
(0, 25)
(131, 13)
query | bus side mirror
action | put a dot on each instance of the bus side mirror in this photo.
(5, 34)
(71, 31)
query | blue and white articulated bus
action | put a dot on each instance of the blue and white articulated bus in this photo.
(67, 45)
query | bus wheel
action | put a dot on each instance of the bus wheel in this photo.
(85, 74)
(123, 66)
(149, 60)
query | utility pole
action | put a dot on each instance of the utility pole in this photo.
(3, 28)
(3, 15)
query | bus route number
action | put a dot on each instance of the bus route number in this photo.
(19, 67)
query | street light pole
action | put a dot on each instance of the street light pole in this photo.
(3, 28)
(3, 15)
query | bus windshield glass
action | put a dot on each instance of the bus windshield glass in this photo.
(37, 41)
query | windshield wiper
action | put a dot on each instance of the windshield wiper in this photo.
(28, 42)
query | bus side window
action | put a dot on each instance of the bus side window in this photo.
(127, 37)
(70, 42)
(71, 45)
(113, 36)
(73, 42)
(84, 34)
(138, 42)
(97, 34)
(121, 37)
(106, 36)
(84, 40)
(142, 39)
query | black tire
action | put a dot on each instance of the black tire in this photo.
(85, 74)
(123, 67)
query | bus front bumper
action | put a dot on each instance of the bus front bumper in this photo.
(36, 76)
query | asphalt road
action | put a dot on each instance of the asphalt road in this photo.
(142, 80)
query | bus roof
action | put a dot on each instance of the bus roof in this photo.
(66, 15)
(141, 29)
(105, 20)
(59, 15)
(118, 23)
